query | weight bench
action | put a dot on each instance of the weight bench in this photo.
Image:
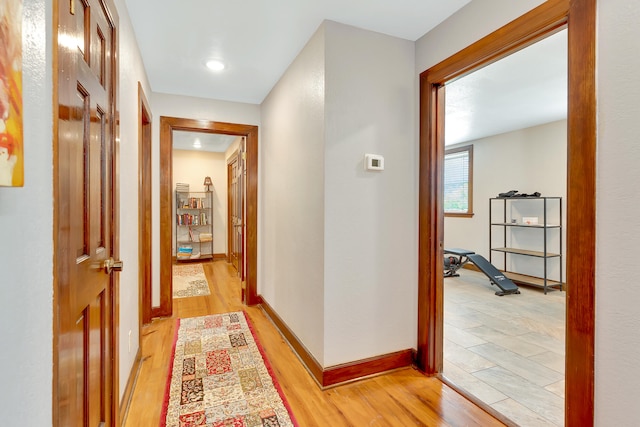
(455, 258)
(452, 263)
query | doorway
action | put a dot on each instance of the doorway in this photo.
(199, 166)
(547, 18)
(250, 132)
(505, 126)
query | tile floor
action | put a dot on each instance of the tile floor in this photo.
(507, 351)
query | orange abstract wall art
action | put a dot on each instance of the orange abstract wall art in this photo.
(11, 129)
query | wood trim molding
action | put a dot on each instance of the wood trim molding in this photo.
(156, 312)
(112, 13)
(144, 207)
(581, 216)
(166, 219)
(431, 230)
(545, 19)
(125, 402)
(359, 369)
(167, 126)
(58, 270)
(518, 34)
(343, 373)
(312, 365)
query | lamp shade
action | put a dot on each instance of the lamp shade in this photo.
(207, 181)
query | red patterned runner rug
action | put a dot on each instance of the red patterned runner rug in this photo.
(221, 377)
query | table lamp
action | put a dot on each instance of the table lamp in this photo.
(208, 183)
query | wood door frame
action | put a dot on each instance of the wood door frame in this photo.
(144, 208)
(167, 126)
(581, 184)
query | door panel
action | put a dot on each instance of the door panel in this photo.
(231, 200)
(233, 212)
(240, 208)
(236, 182)
(85, 213)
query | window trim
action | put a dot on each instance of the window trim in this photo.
(469, 212)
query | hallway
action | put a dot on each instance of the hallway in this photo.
(402, 398)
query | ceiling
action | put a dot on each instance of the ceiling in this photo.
(202, 141)
(525, 89)
(258, 40)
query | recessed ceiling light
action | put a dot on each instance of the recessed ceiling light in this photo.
(215, 65)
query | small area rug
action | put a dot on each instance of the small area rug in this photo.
(189, 280)
(221, 377)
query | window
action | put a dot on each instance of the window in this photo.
(458, 181)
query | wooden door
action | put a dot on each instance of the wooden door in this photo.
(234, 214)
(232, 183)
(236, 179)
(85, 351)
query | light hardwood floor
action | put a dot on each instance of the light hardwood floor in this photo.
(506, 351)
(402, 398)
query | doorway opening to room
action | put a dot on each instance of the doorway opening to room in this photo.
(504, 190)
(199, 166)
(542, 21)
(194, 199)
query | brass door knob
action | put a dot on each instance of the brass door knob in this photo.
(111, 265)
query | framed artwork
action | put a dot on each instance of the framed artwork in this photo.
(11, 129)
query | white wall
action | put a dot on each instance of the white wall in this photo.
(340, 244)
(131, 73)
(292, 177)
(527, 160)
(474, 21)
(190, 167)
(26, 247)
(233, 147)
(370, 230)
(618, 204)
(188, 108)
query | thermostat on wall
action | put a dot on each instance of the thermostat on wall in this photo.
(373, 162)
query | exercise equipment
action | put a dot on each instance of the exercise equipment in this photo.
(455, 258)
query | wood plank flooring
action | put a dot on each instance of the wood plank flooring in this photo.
(402, 398)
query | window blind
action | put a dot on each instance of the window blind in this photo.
(456, 182)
